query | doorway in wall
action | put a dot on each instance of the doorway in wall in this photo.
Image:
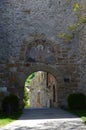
(40, 90)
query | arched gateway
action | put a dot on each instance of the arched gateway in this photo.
(36, 55)
(40, 54)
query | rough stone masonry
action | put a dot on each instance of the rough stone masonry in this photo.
(29, 42)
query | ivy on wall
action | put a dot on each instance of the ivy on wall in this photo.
(28, 80)
(77, 26)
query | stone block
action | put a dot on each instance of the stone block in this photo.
(3, 89)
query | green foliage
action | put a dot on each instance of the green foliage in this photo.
(25, 99)
(81, 20)
(26, 94)
(6, 119)
(26, 105)
(29, 79)
(61, 35)
(72, 28)
(77, 7)
(10, 104)
(76, 101)
(64, 36)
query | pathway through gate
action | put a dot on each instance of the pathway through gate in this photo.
(46, 119)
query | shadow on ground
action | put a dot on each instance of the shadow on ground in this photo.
(45, 113)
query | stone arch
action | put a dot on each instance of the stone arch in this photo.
(41, 46)
(41, 67)
(35, 68)
(21, 76)
(39, 41)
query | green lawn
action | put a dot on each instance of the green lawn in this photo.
(4, 120)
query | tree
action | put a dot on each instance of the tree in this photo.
(26, 94)
(77, 26)
(30, 77)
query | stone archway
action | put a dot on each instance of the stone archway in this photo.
(21, 76)
(40, 54)
(46, 86)
(36, 54)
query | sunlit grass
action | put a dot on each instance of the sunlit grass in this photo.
(5, 119)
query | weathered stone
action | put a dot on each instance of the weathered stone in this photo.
(3, 89)
(33, 25)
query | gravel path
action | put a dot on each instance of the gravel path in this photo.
(46, 119)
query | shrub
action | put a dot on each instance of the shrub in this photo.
(76, 101)
(10, 104)
(25, 99)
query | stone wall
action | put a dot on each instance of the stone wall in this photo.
(53, 89)
(37, 94)
(33, 25)
(43, 90)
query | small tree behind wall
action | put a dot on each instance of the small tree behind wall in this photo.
(25, 99)
(26, 93)
(78, 25)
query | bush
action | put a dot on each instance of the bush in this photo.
(76, 101)
(25, 99)
(10, 104)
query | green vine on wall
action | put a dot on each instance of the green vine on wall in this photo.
(77, 26)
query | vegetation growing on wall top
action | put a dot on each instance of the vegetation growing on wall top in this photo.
(78, 24)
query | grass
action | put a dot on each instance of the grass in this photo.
(5, 119)
(79, 113)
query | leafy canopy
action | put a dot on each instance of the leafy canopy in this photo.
(30, 77)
